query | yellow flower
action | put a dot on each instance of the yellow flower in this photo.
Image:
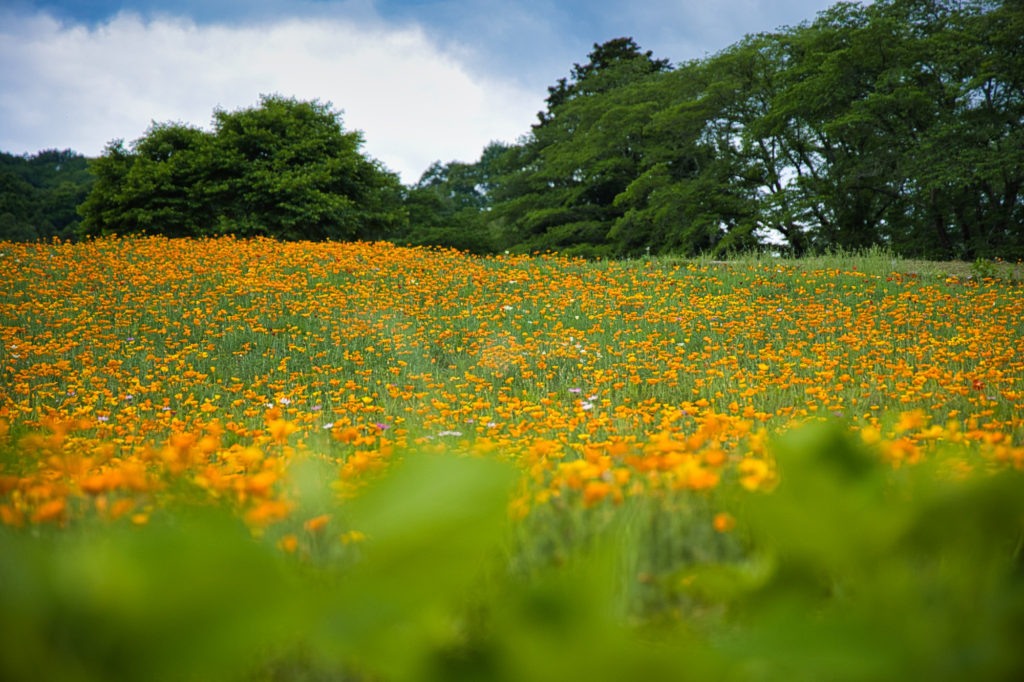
(280, 429)
(352, 537)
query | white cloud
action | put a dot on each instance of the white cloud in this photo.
(79, 87)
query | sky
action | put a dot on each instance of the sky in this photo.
(424, 80)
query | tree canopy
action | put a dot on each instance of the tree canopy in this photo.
(39, 194)
(285, 168)
(899, 123)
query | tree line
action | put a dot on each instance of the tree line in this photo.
(899, 123)
(40, 194)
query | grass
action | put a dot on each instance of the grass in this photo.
(877, 261)
(754, 469)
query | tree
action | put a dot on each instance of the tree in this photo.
(898, 123)
(39, 194)
(968, 170)
(558, 190)
(597, 75)
(285, 169)
(450, 204)
(156, 188)
(693, 195)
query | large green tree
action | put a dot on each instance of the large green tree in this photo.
(898, 123)
(450, 205)
(968, 190)
(693, 194)
(558, 190)
(285, 168)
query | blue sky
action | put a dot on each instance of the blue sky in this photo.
(424, 80)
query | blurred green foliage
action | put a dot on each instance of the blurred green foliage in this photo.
(847, 570)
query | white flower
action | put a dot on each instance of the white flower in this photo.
(329, 425)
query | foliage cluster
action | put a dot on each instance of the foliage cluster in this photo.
(285, 169)
(848, 571)
(40, 194)
(895, 123)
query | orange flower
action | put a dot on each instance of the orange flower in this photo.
(288, 543)
(594, 492)
(723, 522)
(280, 429)
(260, 483)
(52, 510)
(346, 435)
(317, 523)
(267, 512)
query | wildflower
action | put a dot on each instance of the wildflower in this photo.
(352, 537)
(316, 524)
(345, 435)
(288, 543)
(280, 429)
(595, 491)
(50, 511)
(261, 482)
(723, 522)
(910, 421)
(755, 472)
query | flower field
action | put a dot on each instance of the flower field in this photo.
(276, 381)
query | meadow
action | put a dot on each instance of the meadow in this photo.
(253, 459)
